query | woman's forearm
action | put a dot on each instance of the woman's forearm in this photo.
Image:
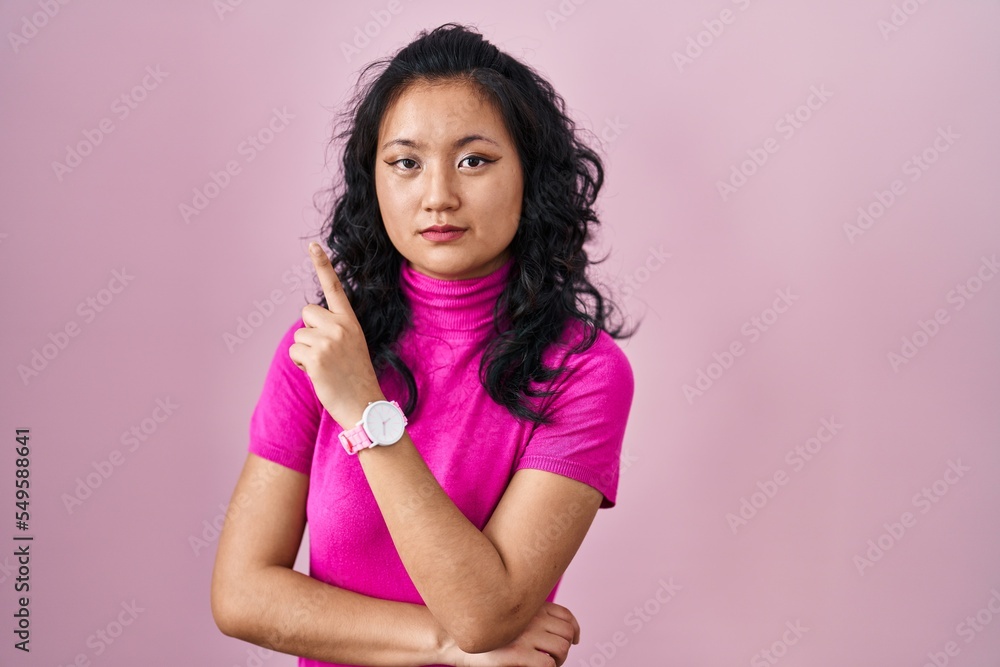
(287, 611)
(455, 567)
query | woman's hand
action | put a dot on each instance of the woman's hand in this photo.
(545, 642)
(332, 349)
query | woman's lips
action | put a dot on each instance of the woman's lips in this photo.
(451, 235)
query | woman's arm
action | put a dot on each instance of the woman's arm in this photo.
(257, 597)
(483, 586)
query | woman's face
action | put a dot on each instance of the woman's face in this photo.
(444, 158)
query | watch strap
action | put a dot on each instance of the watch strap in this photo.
(355, 439)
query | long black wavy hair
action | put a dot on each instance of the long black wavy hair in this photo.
(547, 285)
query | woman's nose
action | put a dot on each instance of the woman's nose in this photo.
(439, 189)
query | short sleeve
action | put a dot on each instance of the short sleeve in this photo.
(285, 421)
(589, 413)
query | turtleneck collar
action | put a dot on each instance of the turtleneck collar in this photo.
(462, 308)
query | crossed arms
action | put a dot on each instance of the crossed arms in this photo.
(482, 589)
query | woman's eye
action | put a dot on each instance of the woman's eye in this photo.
(478, 159)
(405, 159)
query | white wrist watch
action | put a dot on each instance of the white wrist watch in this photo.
(382, 423)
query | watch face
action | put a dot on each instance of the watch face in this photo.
(384, 423)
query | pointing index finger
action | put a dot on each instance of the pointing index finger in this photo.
(336, 299)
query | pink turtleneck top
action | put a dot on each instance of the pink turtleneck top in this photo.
(472, 445)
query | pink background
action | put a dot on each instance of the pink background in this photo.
(670, 133)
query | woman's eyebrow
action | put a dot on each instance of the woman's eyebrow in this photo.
(458, 143)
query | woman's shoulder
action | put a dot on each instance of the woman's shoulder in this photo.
(589, 405)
